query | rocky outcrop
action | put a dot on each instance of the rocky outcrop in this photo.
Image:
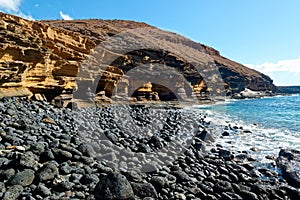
(50, 59)
(237, 77)
(288, 90)
(289, 162)
(250, 94)
(36, 58)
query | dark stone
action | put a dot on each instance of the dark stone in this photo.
(158, 182)
(289, 162)
(223, 186)
(155, 141)
(292, 192)
(2, 187)
(7, 174)
(113, 186)
(181, 175)
(62, 155)
(144, 190)
(248, 166)
(87, 150)
(225, 133)
(133, 176)
(29, 160)
(63, 186)
(39, 147)
(43, 190)
(13, 192)
(89, 178)
(225, 154)
(206, 188)
(65, 168)
(205, 136)
(48, 172)
(46, 156)
(23, 178)
(248, 195)
(143, 148)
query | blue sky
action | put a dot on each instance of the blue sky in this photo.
(262, 34)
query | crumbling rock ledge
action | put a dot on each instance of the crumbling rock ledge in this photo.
(42, 60)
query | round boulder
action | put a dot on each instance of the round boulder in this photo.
(114, 186)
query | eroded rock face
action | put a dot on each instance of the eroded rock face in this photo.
(37, 58)
(44, 59)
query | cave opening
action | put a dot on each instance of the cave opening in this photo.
(154, 91)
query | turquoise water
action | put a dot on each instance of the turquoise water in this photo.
(273, 123)
(280, 112)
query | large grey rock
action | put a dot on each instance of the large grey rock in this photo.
(113, 186)
(289, 162)
(144, 190)
(28, 160)
(23, 178)
(48, 172)
(13, 192)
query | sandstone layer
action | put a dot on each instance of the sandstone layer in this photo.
(47, 59)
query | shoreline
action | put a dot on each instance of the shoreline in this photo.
(81, 171)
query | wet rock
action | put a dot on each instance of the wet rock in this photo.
(225, 133)
(289, 162)
(225, 154)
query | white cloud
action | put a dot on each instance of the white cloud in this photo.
(65, 16)
(13, 7)
(292, 65)
(10, 5)
(20, 14)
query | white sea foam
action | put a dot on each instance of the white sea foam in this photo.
(268, 141)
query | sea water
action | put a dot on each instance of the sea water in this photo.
(268, 124)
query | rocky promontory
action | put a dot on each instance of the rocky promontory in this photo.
(43, 60)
